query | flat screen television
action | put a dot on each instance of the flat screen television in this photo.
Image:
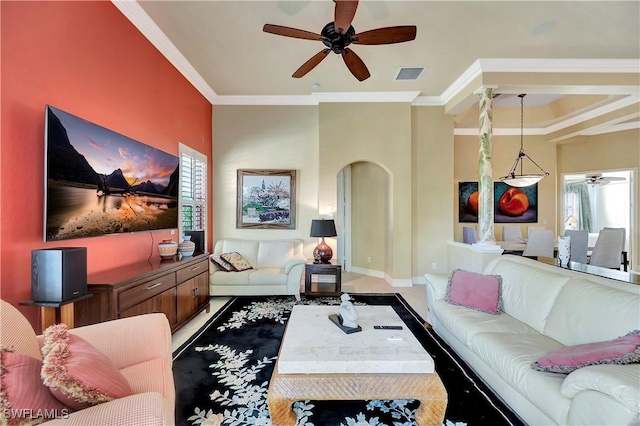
(99, 182)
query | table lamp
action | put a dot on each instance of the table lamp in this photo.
(323, 228)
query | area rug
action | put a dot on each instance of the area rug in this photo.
(222, 373)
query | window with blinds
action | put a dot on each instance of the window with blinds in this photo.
(193, 190)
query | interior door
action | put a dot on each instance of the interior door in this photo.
(343, 217)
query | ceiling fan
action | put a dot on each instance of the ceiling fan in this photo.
(598, 179)
(339, 34)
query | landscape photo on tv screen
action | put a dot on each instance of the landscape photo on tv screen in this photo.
(100, 182)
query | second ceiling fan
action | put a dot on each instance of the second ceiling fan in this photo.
(339, 34)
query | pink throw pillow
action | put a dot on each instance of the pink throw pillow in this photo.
(23, 396)
(623, 350)
(476, 291)
(78, 374)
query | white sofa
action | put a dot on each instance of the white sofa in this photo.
(277, 267)
(546, 308)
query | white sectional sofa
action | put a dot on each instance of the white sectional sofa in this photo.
(277, 267)
(545, 308)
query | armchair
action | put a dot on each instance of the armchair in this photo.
(139, 347)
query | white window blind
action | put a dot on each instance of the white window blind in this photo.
(193, 190)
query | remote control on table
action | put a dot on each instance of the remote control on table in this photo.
(387, 327)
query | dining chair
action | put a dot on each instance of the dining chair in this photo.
(625, 261)
(469, 235)
(534, 228)
(607, 251)
(539, 243)
(624, 234)
(512, 233)
(579, 244)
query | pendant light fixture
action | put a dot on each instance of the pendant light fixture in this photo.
(521, 180)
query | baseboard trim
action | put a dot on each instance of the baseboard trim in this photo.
(408, 282)
(419, 281)
(367, 272)
(397, 282)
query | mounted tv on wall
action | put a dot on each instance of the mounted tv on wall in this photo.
(99, 182)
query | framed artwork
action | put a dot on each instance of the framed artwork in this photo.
(266, 199)
(511, 205)
(468, 202)
(515, 205)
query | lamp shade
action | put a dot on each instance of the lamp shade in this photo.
(323, 228)
(522, 181)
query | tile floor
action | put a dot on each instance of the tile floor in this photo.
(351, 283)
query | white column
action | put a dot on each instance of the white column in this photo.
(485, 168)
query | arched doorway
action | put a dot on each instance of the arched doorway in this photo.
(363, 218)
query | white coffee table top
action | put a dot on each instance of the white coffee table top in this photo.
(312, 344)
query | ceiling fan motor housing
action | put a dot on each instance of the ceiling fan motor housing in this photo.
(335, 41)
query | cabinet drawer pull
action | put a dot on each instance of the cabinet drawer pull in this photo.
(153, 286)
(196, 268)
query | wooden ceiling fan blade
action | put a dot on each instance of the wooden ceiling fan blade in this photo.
(355, 65)
(388, 35)
(311, 63)
(344, 13)
(291, 32)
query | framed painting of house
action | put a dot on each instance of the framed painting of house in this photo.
(266, 199)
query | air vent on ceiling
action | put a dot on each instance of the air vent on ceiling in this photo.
(409, 73)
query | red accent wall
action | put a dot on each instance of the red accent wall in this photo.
(85, 58)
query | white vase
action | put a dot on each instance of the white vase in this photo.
(564, 250)
(167, 248)
(186, 247)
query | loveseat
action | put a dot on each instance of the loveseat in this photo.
(276, 268)
(546, 308)
(140, 349)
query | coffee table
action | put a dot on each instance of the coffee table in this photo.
(318, 361)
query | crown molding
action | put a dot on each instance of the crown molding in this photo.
(506, 131)
(265, 100)
(427, 101)
(143, 22)
(462, 81)
(614, 128)
(548, 65)
(596, 112)
(571, 121)
(318, 97)
(408, 96)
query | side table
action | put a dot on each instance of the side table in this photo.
(56, 312)
(332, 268)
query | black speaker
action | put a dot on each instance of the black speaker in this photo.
(58, 274)
(198, 238)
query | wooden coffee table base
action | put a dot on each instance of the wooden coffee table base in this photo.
(284, 390)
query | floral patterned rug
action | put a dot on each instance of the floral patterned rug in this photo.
(222, 373)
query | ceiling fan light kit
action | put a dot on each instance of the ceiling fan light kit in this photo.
(522, 180)
(339, 34)
(598, 179)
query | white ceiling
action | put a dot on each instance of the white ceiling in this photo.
(222, 50)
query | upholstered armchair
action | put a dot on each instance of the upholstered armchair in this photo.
(140, 349)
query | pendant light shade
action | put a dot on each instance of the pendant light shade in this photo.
(521, 180)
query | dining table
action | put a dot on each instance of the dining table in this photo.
(517, 247)
(614, 274)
